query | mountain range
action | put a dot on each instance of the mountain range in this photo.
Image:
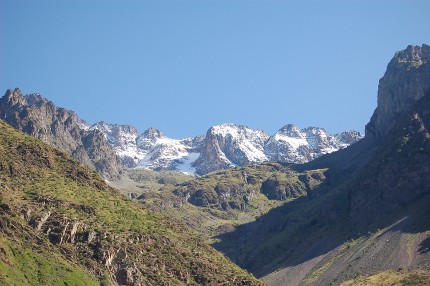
(360, 211)
(369, 213)
(357, 216)
(223, 146)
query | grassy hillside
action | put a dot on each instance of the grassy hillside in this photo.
(135, 182)
(220, 201)
(399, 277)
(62, 225)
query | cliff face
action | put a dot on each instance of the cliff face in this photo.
(60, 128)
(406, 80)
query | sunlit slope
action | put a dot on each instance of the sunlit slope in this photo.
(61, 224)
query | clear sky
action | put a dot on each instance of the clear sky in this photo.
(182, 66)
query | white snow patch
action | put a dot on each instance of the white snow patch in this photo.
(185, 164)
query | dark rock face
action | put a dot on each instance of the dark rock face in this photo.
(60, 128)
(406, 80)
(398, 174)
(122, 140)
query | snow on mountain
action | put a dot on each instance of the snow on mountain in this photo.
(150, 150)
(163, 153)
(224, 146)
(347, 138)
(231, 145)
(293, 145)
(123, 139)
(288, 145)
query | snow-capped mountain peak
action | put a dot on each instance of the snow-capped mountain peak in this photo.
(293, 145)
(290, 130)
(224, 146)
(153, 134)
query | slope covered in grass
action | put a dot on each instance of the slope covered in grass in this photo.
(218, 202)
(62, 225)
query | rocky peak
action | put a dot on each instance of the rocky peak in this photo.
(406, 80)
(347, 138)
(235, 130)
(413, 56)
(319, 139)
(117, 134)
(153, 134)
(229, 145)
(290, 130)
(36, 99)
(150, 138)
(60, 128)
(122, 138)
(14, 97)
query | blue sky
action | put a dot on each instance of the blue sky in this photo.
(182, 66)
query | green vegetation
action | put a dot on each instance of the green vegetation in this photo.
(400, 277)
(220, 201)
(139, 181)
(57, 217)
(21, 265)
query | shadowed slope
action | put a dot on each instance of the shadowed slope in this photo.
(365, 217)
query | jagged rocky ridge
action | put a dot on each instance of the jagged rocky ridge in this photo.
(109, 147)
(223, 147)
(60, 128)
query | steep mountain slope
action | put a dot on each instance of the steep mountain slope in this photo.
(61, 224)
(371, 212)
(61, 128)
(407, 75)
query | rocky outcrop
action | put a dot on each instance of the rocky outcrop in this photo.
(160, 152)
(230, 145)
(406, 80)
(60, 128)
(346, 138)
(151, 149)
(293, 145)
(122, 138)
